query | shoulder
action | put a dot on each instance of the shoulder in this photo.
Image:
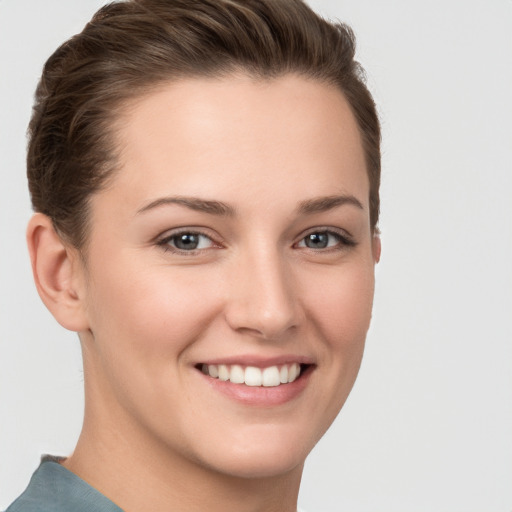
(53, 488)
(35, 498)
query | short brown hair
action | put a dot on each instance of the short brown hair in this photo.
(131, 46)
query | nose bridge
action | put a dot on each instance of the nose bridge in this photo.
(262, 298)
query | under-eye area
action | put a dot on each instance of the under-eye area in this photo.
(270, 376)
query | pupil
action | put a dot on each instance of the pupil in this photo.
(317, 240)
(187, 241)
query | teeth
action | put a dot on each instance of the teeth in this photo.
(237, 375)
(293, 372)
(271, 376)
(223, 372)
(253, 376)
(283, 374)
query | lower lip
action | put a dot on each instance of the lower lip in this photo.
(261, 395)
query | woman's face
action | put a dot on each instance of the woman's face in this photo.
(234, 243)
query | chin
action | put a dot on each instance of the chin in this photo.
(258, 467)
(267, 451)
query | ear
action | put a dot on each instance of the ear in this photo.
(58, 273)
(376, 247)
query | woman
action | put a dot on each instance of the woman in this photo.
(205, 178)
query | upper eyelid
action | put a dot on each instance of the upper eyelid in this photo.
(169, 233)
(326, 229)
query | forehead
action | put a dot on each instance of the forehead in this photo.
(239, 134)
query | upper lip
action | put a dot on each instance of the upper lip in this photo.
(259, 361)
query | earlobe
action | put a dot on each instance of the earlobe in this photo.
(57, 273)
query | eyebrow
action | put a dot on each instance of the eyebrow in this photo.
(322, 204)
(307, 207)
(200, 205)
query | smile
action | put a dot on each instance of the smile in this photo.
(271, 376)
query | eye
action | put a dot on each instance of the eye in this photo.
(186, 241)
(324, 240)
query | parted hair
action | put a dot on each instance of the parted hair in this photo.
(130, 47)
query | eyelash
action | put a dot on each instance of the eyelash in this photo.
(344, 240)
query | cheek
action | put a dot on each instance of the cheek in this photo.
(149, 309)
(143, 318)
(341, 303)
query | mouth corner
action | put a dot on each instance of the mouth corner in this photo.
(306, 367)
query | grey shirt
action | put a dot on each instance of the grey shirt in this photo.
(53, 488)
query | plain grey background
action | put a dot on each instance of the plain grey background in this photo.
(428, 427)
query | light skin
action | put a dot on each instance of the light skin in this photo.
(265, 183)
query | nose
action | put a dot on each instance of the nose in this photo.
(262, 299)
